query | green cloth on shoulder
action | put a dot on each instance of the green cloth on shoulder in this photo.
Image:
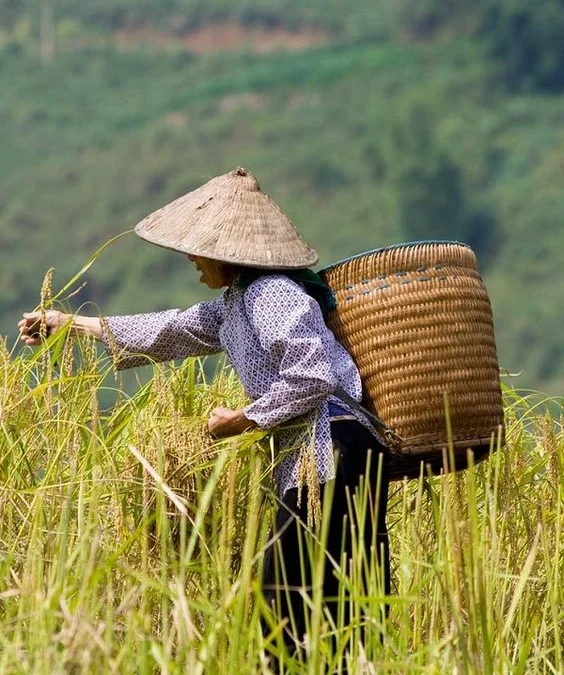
(313, 284)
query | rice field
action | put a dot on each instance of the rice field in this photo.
(132, 543)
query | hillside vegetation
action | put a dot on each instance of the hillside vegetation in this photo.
(397, 126)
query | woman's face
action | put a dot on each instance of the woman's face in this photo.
(215, 274)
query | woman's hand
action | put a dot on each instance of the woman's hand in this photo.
(226, 422)
(30, 325)
(54, 319)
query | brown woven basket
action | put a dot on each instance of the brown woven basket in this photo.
(417, 320)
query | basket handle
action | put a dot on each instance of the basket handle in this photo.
(390, 435)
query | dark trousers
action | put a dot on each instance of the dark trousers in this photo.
(287, 568)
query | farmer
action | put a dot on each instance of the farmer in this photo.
(270, 322)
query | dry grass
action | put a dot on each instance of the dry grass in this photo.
(102, 572)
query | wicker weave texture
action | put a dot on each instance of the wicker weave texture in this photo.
(417, 320)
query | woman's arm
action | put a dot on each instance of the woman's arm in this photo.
(30, 325)
(137, 339)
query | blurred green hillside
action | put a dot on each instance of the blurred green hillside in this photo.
(370, 122)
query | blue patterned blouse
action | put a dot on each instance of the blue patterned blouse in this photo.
(276, 339)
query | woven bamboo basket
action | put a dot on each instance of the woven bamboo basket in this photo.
(417, 320)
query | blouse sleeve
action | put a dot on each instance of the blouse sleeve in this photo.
(290, 328)
(138, 339)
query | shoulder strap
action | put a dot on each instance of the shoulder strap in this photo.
(389, 434)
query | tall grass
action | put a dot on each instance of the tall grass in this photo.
(129, 543)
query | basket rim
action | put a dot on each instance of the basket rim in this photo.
(392, 247)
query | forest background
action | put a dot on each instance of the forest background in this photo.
(371, 122)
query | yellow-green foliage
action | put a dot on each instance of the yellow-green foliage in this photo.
(129, 543)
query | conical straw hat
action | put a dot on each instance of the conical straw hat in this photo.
(229, 218)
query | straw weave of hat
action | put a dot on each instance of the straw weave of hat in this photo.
(231, 219)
